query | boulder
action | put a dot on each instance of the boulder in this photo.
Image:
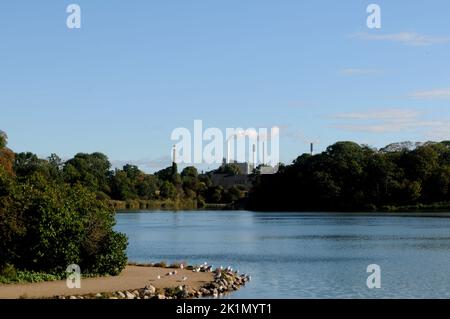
(205, 291)
(149, 290)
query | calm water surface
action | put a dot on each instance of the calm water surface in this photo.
(302, 255)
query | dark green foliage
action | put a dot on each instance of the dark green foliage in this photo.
(229, 169)
(90, 170)
(8, 274)
(168, 190)
(348, 176)
(46, 226)
(26, 164)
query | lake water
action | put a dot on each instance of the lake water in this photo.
(302, 255)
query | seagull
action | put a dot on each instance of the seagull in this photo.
(181, 266)
(158, 277)
(184, 278)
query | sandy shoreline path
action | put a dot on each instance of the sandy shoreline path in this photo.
(132, 277)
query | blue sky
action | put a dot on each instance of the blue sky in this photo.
(136, 70)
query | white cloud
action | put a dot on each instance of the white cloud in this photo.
(408, 38)
(145, 164)
(358, 71)
(432, 94)
(394, 114)
(390, 121)
(439, 132)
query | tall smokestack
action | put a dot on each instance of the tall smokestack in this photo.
(228, 151)
(174, 154)
(312, 148)
(264, 154)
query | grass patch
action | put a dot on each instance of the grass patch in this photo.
(10, 275)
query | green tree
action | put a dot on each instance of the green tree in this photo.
(229, 169)
(47, 226)
(147, 187)
(26, 164)
(168, 190)
(6, 155)
(90, 170)
(190, 181)
(121, 188)
(3, 139)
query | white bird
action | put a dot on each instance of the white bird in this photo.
(181, 266)
(184, 278)
(158, 277)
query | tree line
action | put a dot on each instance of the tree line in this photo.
(94, 172)
(348, 176)
(48, 221)
(54, 213)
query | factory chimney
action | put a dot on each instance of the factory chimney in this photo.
(174, 154)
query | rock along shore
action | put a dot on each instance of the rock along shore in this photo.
(224, 282)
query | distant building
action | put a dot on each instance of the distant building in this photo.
(245, 168)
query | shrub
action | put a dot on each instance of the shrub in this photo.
(44, 227)
(161, 264)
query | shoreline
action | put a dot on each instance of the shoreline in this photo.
(425, 209)
(136, 282)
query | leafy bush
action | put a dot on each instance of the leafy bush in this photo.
(45, 226)
(161, 264)
(8, 274)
